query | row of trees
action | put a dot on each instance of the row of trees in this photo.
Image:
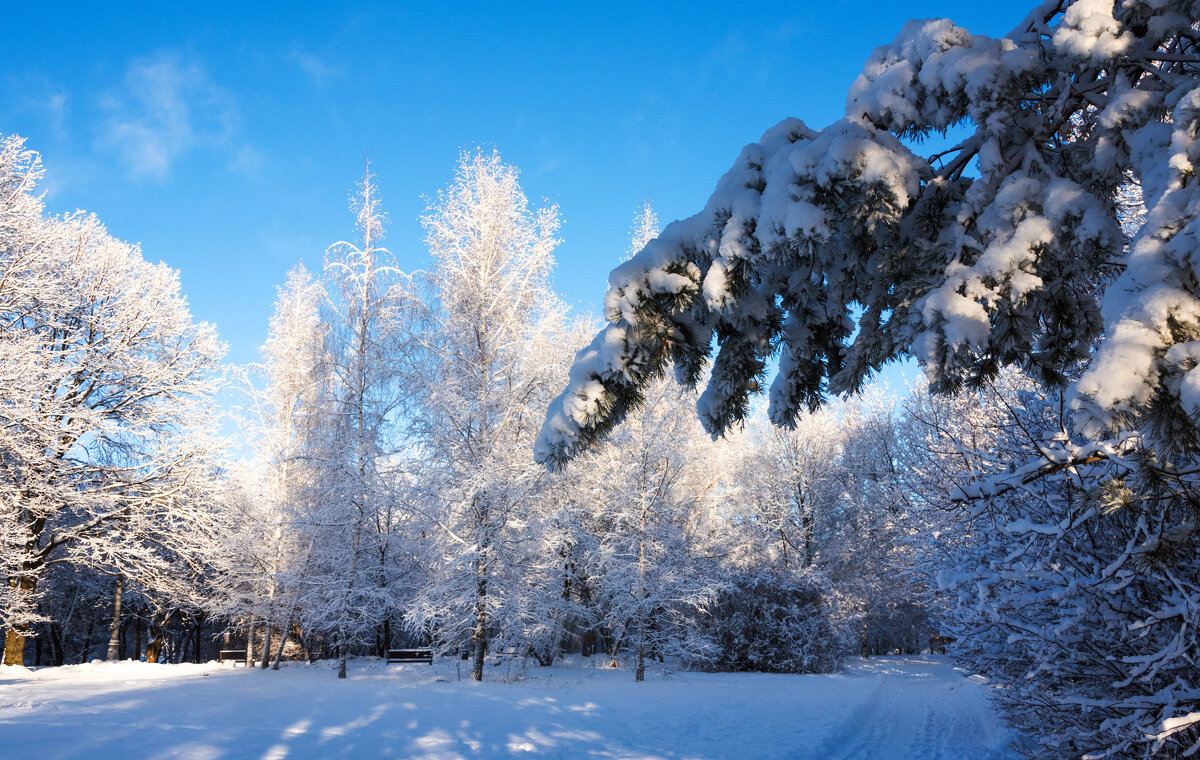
(382, 491)
(419, 514)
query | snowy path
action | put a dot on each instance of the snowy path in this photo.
(882, 709)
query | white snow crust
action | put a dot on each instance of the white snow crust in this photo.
(883, 709)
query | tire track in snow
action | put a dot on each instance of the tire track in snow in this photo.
(918, 709)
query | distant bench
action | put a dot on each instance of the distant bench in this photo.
(410, 655)
(237, 655)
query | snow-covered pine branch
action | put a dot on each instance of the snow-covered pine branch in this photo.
(840, 249)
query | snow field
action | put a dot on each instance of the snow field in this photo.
(883, 709)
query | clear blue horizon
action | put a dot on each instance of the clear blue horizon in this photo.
(226, 140)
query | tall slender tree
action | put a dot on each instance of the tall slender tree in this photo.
(366, 310)
(489, 302)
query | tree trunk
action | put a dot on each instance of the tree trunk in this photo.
(355, 544)
(266, 655)
(185, 644)
(87, 641)
(250, 645)
(283, 637)
(58, 637)
(297, 634)
(114, 641)
(157, 638)
(199, 637)
(640, 674)
(480, 632)
(14, 637)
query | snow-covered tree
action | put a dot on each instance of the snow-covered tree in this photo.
(650, 480)
(105, 384)
(800, 480)
(645, 228)
(490, 308)
(1074, 592)
(368, 312)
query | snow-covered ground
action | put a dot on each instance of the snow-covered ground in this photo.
(883, 709)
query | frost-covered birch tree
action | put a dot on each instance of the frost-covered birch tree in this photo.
(489, 302)
(264, 562)
(367, 312)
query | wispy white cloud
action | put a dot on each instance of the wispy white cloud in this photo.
(164, 108)
(318, 69)
(55, 107)
(30, 101)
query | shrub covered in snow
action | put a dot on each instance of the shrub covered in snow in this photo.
(774, 622)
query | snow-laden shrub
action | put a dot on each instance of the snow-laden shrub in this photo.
(774, 622)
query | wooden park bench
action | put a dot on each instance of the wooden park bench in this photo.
(410, 655)
(237, 655)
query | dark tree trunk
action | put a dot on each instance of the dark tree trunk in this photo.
(114, 642)
(156, 638)
(57, 645)
(297, 634)
(266, 655)
(87, 640)
(480, 632)
(199, 638)
(14, 637)
(283, 637)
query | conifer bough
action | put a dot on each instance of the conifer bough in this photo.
(841, 249)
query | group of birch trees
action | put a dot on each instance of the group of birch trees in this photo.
(380, 488)
(393, 496)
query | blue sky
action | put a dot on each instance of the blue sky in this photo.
(227, 139)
